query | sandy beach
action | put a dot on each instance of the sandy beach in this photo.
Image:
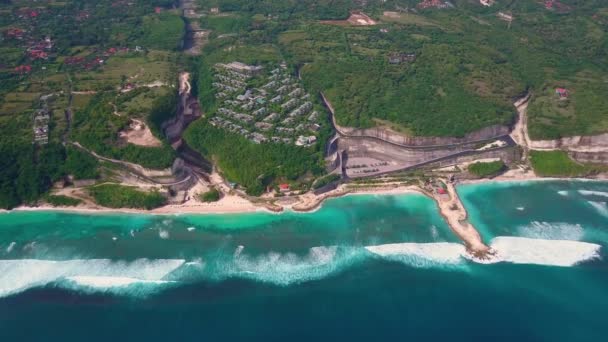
(233, 204)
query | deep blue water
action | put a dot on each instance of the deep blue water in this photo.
(265, 277)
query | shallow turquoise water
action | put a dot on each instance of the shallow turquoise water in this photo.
(570, 210)
(310, 276)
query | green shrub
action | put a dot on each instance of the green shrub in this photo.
(210, 196)
(556, 164)
(62, 201)
(487, 169)
(119, 196)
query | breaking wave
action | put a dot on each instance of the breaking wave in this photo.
(143, 277)
(601, 207)
(422, 254)
(99, 274)
(551, 231)
(281, 268)
(593, 193)
(520, 250)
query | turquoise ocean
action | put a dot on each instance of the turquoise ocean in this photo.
(365, 267)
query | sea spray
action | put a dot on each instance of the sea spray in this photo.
(519, 250)
(20, 275)
(551, 231)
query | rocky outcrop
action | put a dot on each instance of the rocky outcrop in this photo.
(595, 143)
(590, 157)
(393, 137)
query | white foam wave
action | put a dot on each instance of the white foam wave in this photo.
(190, 229)
(520, 250)
(551, 231)
(593, 193)
(163, 234)
(19, 275)
(285, 268)
(601, 207)
(434, 232)
(521, 208)
(99, 282)
(238, 250)
(421, 254)
(10, 247)
(563, 193)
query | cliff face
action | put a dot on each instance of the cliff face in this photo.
(590, 157)
(388, 135)
(595, 143)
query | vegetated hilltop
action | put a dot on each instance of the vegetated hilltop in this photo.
(100, 73)
(434, 68)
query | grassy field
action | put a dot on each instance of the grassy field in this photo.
(583, 112)
(559, 164)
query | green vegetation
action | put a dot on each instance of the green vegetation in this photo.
(62, 201)
(559, 164)
(114, 61)
(27, 172)
(489, 169)
(92, 50)
(210, 196)
(583, 112)
(97, 128)
(254, 166)
(118, 196)
(321, 182)
(81, 164)
(164, 31)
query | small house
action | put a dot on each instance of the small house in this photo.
(284, 187)
(562, 92)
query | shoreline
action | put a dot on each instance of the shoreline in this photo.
(238, 205)
(449, 206)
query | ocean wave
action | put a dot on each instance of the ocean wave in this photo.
(19, 275)
(163, 234)
(421, 254)
(593, 193)
(282, 268)
(132, 287)
(551, 231)
(143, 276)
(563, 192)
(601, 207)
(520, 250)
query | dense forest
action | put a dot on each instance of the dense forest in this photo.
(253, 166)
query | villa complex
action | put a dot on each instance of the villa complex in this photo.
(264, 107)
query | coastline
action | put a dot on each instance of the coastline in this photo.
(308, 203)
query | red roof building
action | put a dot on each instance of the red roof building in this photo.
(157, 10)
(284, 187)
(23, 69)
(562, 92)
(38, 54)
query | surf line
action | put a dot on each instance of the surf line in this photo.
(453, 211)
